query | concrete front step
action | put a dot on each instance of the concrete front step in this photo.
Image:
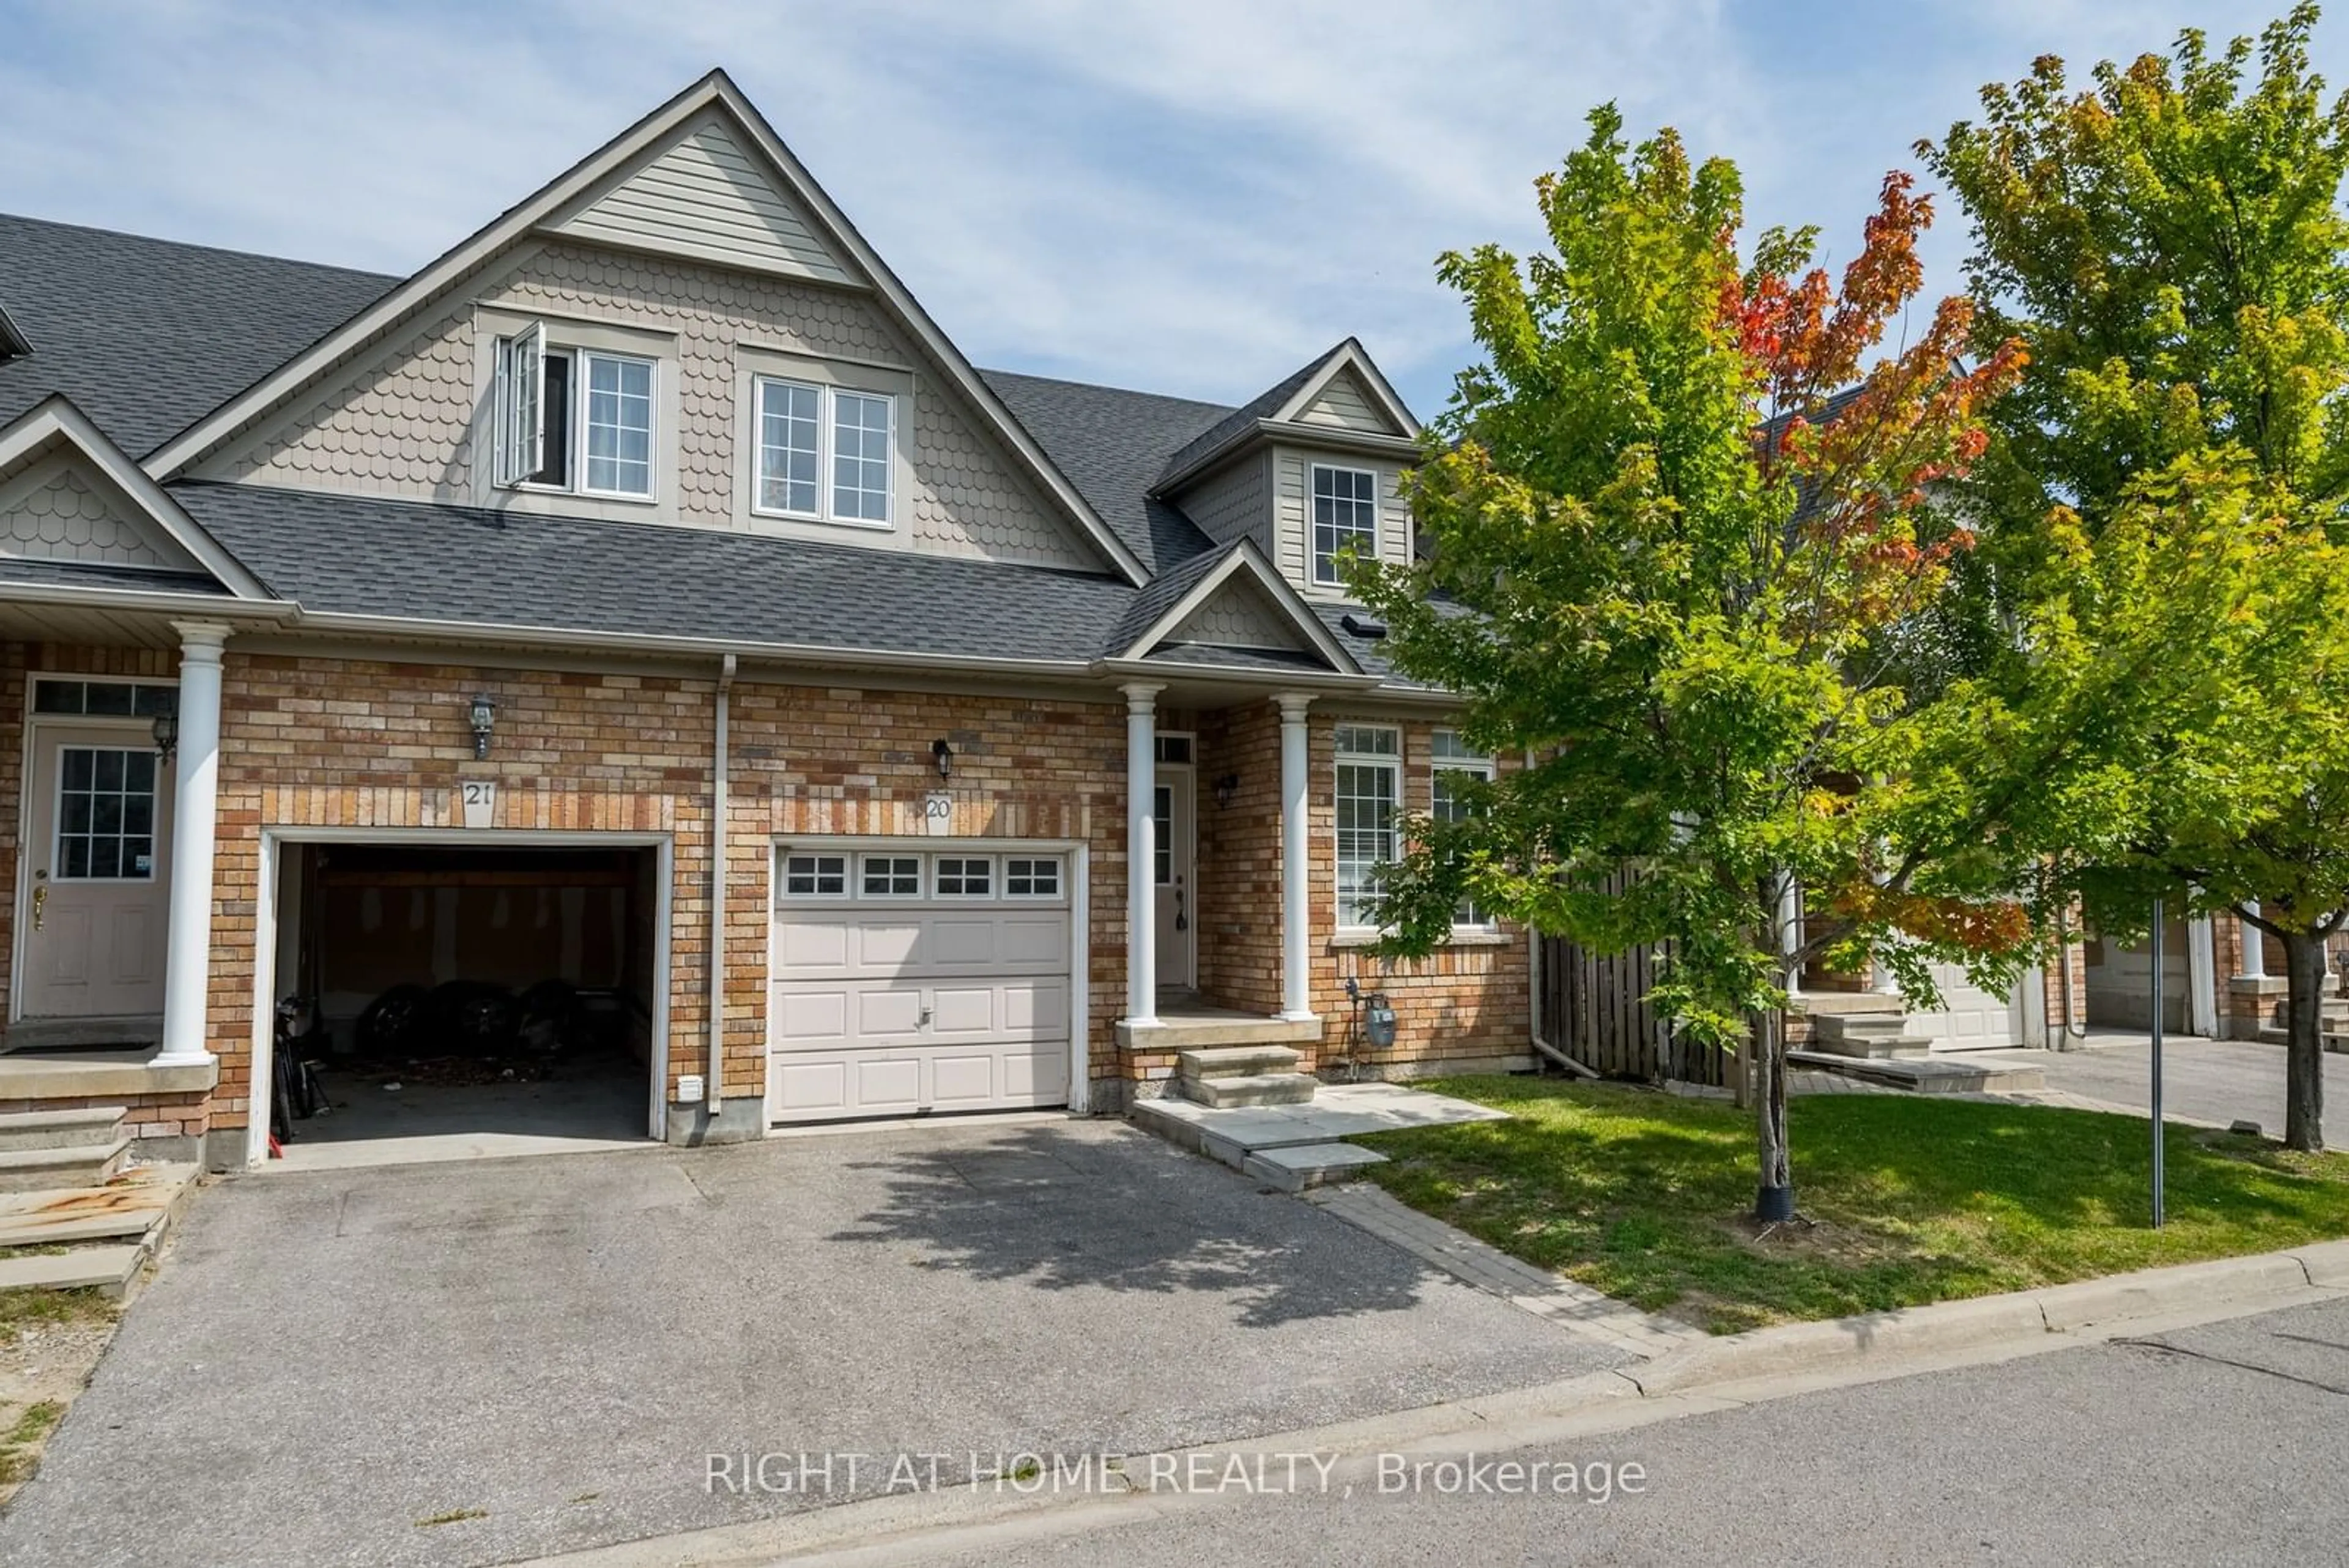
(1870, 1047)
(76, 1165)
(1236, 1060)
(60, 1129)
(130, 1206)
(1860, 1025)
(1945, 1074)
(1204, 1031)
(109, 1267)
(1250, 1089)
(1303, 1166)
(2338, 1043)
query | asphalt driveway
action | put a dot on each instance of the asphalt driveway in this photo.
(542, 1354)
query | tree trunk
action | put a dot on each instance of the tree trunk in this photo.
(1776, 1199)
(2304, 1027)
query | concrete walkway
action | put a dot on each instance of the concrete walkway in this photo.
(475, 1363)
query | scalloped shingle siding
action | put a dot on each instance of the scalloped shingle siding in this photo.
(399, 424)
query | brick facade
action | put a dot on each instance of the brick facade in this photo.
(366, 745)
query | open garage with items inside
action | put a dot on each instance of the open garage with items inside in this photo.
(431, 989)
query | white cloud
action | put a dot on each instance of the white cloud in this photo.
(1192, 198)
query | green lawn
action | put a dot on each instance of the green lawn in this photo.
(1641, 1195)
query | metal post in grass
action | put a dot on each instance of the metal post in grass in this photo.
(2156, 1064)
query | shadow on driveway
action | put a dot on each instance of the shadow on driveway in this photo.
(551, 1349)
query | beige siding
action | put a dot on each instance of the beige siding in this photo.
(704, 197)
(1347, 404)
(52, 513)
(402, 420)
(1239, 615)
(1291, 467)
(1234, 503)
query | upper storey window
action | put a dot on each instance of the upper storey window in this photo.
(825, 452)
(1345, 513)
(573, 419)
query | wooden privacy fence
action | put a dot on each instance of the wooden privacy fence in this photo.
(1593, 1008)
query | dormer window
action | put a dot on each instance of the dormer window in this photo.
(1345, 513)
(825, 452)
(572, 419)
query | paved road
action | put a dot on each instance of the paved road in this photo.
(550, 1348)
(2221, 1444)
(2220, 1081)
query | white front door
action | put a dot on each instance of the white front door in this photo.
(912, 980)
(95, 895)
(1174, 870)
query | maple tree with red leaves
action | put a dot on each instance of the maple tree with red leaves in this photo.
(1682, 547)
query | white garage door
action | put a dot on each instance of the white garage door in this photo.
(1970, 1019)
(917, 979)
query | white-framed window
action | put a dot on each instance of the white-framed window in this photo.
(966, 877)
(1032, 876)
(1454, 761)
(816, 875)
(1345, 512)
(825, 452)
(892, 877)
(1369, 790)
(572, 419)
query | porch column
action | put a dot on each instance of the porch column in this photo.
(188, 940)
(2253, 943)
(1296, 908)
(1141, 854)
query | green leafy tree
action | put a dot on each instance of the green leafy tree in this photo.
(2163, 497)
(1677, 535)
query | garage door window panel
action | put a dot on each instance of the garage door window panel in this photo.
(1032, 877)
(892, 877)
(966, 877)
(816, 875)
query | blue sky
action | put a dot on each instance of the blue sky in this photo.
(1191, 198)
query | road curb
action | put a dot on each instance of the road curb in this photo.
(1948, 1328)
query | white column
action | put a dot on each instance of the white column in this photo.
(2253, 943)
(1296, 907)
(187, 941)
(2201, 978)
(1141, 854)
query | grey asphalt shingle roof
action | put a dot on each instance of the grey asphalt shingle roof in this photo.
(105, 575)
(1263, 406)
(1160, 594)
(1111, 445)
(360, 555)
(148, 335)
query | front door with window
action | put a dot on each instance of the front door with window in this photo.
(95, 892)
(1174, 873)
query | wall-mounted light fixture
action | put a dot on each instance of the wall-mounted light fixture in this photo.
(1228, 789)
(167, 734)
(484, 715)
(942, 755)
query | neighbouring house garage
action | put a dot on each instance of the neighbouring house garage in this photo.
(907, 980)
(1970, 1018)
(438, 989)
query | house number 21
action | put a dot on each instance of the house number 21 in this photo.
(479, 800)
